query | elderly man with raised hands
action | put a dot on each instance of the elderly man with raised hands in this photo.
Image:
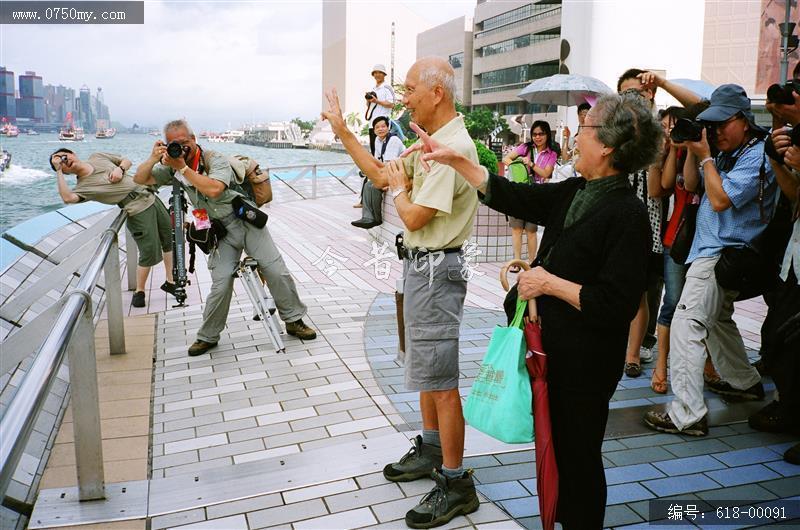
(437, 207)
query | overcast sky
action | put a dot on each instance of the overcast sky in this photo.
(219, 62)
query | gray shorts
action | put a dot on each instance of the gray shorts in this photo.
(152, 231)
(513, 222)
(432, 309)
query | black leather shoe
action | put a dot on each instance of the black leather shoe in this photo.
(138, 299)
(200, 347)
(365, 223)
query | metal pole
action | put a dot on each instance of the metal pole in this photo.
(314, 181)
(86, 409)
(131, 258)
(116, 327)
(785, 35)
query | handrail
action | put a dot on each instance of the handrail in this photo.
(72, 333)
(301, 166)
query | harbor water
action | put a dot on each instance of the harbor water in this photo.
(28, 187)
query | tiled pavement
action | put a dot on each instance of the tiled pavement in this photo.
(244, 405)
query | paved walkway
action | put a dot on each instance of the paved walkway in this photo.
(245, 437)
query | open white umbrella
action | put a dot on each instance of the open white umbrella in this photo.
(701, 88)
(563, 89)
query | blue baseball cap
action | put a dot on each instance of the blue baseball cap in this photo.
(727, 101)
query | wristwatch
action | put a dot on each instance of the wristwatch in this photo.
(397, 192)
(182, 170)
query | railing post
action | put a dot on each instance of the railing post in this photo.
(314, 181)
(131, 258)
(116, 326)
(86, 409)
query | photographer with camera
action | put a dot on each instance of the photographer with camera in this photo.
(102, 178)
(380, 102)
(738, 202)
(207, 176)
(780, 332)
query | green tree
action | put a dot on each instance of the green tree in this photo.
(486, 157)
(305, 126)
(480, 123)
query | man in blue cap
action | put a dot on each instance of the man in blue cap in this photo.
(739, 197)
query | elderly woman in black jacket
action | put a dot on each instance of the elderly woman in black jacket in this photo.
(588, 279)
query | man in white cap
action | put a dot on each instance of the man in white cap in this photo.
(380, 101)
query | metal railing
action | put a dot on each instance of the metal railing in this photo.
(312, 170)
(72, 334)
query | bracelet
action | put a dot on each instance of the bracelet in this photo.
(182, 170)
(397, 192)
(703, 161)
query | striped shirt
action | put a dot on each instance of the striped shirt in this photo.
(741, 223)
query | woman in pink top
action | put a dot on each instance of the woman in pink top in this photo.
(541, 160)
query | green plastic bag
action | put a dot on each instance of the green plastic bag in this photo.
(500, 402)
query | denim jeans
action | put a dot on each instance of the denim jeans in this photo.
(674, 278)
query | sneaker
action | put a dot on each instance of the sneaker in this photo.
(200, 347)
(792, 455)
(772, 418)
(168, 287)
(299, 329)
(660, 421)
(416, 463)
(649, 341)
(723, 388)
(645, 355)
(448, 498)
(138, 299)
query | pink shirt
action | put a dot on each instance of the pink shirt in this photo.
(546, 157)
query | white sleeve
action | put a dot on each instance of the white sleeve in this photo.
(394, 149)
(386, 93)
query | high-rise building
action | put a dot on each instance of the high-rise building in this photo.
(8, 105)
(451, 40)
(355, 37)
(30, 104)
(85, 110)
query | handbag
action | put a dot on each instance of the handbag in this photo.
(207, 238)
(499, 403)
(684, 234)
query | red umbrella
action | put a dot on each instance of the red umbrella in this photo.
(536, 362)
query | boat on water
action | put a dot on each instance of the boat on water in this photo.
(5, 160)
(71, 134)
(227, 137)
(105, 134)
(9, 131)
(31, 132)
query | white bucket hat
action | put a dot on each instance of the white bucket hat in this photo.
(379, 68)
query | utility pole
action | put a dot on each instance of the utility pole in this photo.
(788, 41)
(391, 66)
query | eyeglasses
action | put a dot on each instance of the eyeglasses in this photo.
(539, 134)
(723, 124)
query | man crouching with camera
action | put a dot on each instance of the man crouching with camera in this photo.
(206, 176)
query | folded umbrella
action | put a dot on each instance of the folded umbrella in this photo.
(536, 363)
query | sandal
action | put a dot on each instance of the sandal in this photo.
(658, 384)
(633, 369)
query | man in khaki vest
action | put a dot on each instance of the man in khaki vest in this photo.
(437, 207)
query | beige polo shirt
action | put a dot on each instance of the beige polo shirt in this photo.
(96, 187)
(445, 190)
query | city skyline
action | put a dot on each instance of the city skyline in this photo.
(216, 64)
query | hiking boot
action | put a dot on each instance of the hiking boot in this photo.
(299, 329)
(772, 418)
(448, 498)
(792, 455)
(200, 347)
(416, 463)
(138, 299)
(660, 421)
(723, 388)
(168, 287)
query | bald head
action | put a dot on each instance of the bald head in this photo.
(436, 71)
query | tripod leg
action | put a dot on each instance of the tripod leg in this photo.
(255, 292)
(269, 308)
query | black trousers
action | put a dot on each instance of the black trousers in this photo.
(579, 424)
(780, 348)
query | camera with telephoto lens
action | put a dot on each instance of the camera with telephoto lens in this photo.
(176, 150)
(686, 130)
(782, 94)
(370, 95)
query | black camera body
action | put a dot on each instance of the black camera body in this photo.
(686, 130)
(371, 94)
(176, 150)
(782, 94)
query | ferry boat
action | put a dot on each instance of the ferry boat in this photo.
(31, 132)
(71, 134)
(105, 134)
(9, 131)
(228, 137)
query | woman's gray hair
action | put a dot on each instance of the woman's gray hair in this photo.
(628, 125)
(433, 74)
(178, 124)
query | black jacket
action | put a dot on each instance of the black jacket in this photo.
(605, 252)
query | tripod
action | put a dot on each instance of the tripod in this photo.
(177, 210)
(263, 303)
